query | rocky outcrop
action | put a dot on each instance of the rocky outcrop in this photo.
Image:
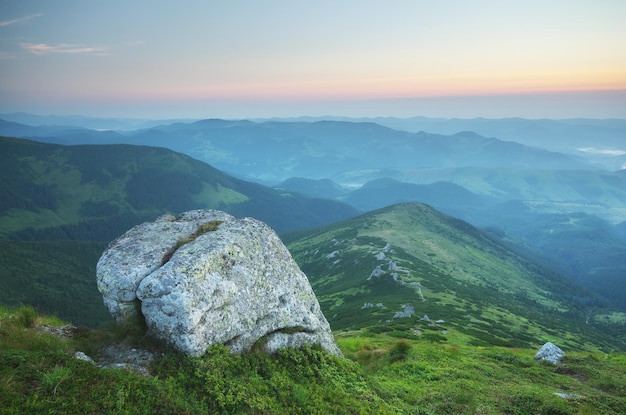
(206, 278)
(550, 353)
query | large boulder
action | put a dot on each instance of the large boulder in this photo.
(205, 278)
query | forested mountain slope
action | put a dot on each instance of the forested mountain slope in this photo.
(96, 192)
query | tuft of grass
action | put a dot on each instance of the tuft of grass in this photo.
(52, 379)
(27, 316)
(206, 227)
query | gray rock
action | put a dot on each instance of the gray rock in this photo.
(235, 285)
(550, 353)
(82, 356)
(407, 311)
(141, 251)
(127, 358)
(568, 395)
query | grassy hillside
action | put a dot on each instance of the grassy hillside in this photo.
(387, 269)
(381, 375)
(97, 192)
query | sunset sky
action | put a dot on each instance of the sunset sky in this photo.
(263, 58)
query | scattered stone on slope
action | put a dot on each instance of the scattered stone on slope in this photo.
(125, 357)
(407, 311)
(235, 285)
(66, 330)
(82, 356)
(568, 395)
(550, 353)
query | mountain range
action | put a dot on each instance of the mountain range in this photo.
(437, 307)
(354, 153)
(61, 205)
(557, 209)
(600, 141)
(322, 149)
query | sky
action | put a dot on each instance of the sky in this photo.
(287, 58)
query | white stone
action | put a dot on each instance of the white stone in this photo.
(83, 356)
(236, 285)
(550, 353)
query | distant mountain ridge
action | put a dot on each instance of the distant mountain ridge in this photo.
(562, 135)
(583, 246)
(81, 121)
(323, 149)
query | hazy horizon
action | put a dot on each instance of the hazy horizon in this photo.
(246, 59)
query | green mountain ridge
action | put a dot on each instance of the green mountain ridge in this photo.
(575, 231)
(96, 192)
(386, 269)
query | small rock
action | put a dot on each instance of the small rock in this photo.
(84, 357)
(377, 272)
(550, 353)
(125, 357)
(62, 331)
(568, 395)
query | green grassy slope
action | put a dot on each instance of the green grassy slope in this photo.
(96, 192)
(381, 375)
(410, 258)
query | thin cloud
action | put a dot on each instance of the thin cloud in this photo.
(6, 55)
(42, 49)
(19, 20)
(606, 152)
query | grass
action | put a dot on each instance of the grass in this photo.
(209, 226)
(439, 378)
(381, 374)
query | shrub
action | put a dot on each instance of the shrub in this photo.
(399, 351)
